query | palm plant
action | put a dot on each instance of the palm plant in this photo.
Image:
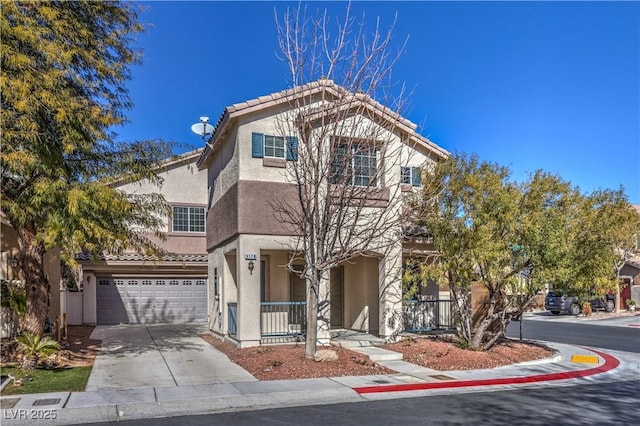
(33, 348)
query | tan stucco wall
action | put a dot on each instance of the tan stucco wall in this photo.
(183, 243)
(223, 167)
(183, 184)
(249, 168)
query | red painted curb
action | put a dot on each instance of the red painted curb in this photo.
(610, 363)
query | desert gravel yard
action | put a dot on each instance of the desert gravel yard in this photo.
(280, 362)
(443, 354)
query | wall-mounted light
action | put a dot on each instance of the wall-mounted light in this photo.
(14, 262)
(251, 266)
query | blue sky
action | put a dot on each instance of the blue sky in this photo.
(531, 85)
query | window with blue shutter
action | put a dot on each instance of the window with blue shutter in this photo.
(257, 145)
(263, 146)
(415, 176)
(292, 148)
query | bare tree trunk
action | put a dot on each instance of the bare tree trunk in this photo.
(36, 283)
(312, 318)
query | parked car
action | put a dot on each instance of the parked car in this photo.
(557, 303)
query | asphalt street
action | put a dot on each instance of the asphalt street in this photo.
(617, 338)
(593, 403)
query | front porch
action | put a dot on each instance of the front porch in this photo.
(258, 300)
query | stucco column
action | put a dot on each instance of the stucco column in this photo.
(229, 285)
(248, 292)
(215, 271)
(89, 299)
(390, 292)
(324, 311)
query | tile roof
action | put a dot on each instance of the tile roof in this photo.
(137, 257)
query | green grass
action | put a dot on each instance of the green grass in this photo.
(40, 380)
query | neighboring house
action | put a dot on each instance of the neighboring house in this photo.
(11, 270)
(247, 245)
(630, 274)
(630, 280)
(134, 288)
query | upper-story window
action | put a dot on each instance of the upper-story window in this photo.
(354, 164)
(274, 146)
(269, 146)
(410, 176)
(188, 219)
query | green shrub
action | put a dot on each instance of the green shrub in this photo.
(33, 348)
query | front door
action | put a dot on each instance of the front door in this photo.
(298, 291)
(337, 297)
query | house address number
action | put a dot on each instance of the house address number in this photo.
(250, 256)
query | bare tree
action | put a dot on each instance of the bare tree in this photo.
(348, 149)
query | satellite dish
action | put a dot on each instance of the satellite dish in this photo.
(203, 128)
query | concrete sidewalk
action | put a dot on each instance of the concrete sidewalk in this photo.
(411, 380)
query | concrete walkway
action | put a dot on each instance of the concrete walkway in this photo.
(159, 355)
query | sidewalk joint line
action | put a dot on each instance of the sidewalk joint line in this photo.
(162, 355)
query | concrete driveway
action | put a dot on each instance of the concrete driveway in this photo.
(137, 356)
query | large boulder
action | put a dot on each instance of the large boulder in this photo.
(325, 355)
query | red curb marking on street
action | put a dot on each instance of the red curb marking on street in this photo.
(633, 325)
(610, 363)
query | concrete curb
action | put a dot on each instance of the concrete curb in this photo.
(609, 364)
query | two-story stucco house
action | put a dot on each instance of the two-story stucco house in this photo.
(253, 297)
(134, 288)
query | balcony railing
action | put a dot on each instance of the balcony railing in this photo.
(283, 319)
(427, 315)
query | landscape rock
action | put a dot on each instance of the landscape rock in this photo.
(325, 355)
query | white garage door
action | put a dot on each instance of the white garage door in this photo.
(151, 300)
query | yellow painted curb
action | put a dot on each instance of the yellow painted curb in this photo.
(585, 359)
